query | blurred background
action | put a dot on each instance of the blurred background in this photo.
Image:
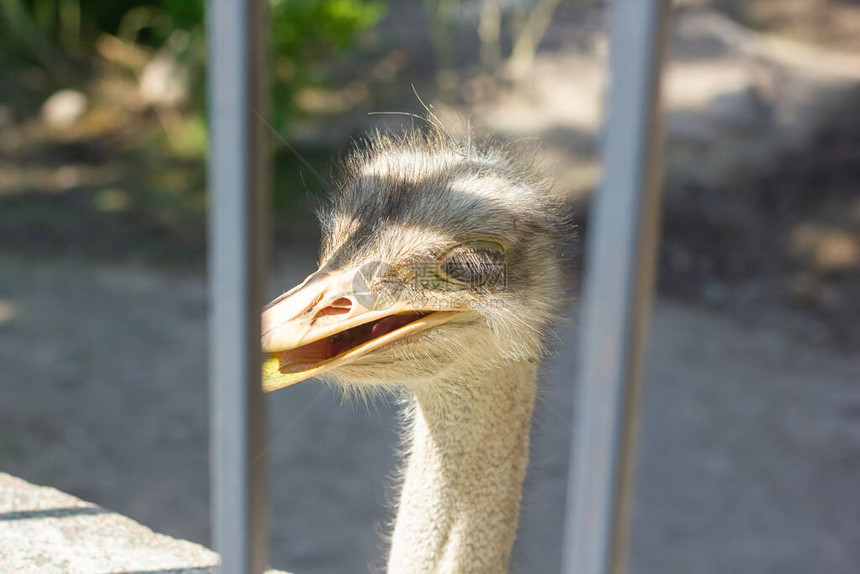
(750, 455)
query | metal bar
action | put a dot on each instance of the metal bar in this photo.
(617, 298)
(238, 230)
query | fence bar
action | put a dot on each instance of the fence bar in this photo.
(239, 181)
(617, 298)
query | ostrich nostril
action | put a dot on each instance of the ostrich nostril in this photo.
(337, 307)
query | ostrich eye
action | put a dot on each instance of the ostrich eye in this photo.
(476, 265)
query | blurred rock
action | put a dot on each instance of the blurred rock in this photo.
(829, 250)
(164, 80)
(64, 108)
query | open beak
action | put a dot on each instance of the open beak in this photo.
(324, 323)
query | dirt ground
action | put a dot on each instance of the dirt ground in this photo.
(749, 460)
(750, 448)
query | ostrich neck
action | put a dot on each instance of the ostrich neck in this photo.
(459, 506)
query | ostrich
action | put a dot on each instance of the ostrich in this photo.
(438, 279)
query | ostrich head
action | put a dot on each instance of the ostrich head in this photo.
(437, 260)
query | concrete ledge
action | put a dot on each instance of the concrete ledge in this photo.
(45, 531)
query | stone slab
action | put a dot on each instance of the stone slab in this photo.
(46, 531)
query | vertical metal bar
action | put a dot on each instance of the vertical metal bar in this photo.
(238, 230)
(618, 292)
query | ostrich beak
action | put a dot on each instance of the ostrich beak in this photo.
(332, 319)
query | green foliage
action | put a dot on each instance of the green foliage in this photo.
(313, 27)
(152, 202)
(184, 13)
(304, 32)
(299, 24)
(307, 32)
